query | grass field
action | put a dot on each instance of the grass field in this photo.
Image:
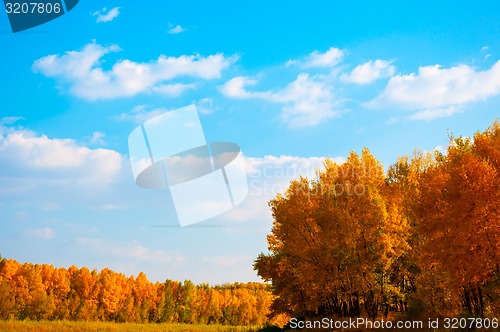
(63, 326)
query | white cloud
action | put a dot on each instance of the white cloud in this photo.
(236, 88)
(97, 138)
(40, 233)
(435, 113)
(369, 71)
(102, 16)
(485, 49)
(175, 29)
(89, 80)
(307, 101)
(26, 154)
(436, 92)
(173, 90)
(332, 57)
(140, 114)
(9, 120)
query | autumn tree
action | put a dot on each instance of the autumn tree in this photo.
(459, 217)
(168, 303)
(82, 297)
(334, 242)
(8, 305)
(40, 291)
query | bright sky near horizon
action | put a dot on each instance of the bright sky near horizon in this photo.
(291, 82)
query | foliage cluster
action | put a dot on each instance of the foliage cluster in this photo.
(421, 239)
(42, 292)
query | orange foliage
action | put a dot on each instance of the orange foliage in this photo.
(423, 238)
(29, 291)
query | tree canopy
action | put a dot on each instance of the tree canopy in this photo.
(422, 237)
(41, 291)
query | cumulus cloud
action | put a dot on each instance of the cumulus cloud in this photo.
(332, 57)
(83, 71)
(437, 92)
(369, 72)
(307, 101)
(236, 88)
(175, 29)
(28, 155)
(105, 15)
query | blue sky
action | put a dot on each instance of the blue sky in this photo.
(290, 82)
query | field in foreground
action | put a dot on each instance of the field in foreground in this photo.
(63, 326)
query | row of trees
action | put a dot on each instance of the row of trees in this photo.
(422, 238)
(33, 291)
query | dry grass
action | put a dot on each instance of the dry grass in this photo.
(63, 326)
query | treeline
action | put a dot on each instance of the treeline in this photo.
(40, 291)
(421, 239)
